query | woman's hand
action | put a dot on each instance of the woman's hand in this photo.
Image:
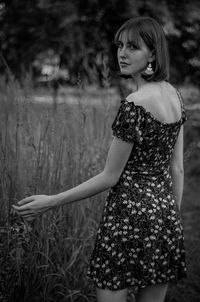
(32, 206)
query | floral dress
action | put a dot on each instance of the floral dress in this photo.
(140, 237)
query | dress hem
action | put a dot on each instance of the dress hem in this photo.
(138, 287)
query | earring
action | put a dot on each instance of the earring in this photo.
(149, 69)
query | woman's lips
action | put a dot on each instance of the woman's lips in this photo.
(123, 64)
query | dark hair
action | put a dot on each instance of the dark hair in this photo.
(153, 36)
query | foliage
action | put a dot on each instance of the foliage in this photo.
(64, 26)
(82, 32)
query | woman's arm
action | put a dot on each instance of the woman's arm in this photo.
(118, 155)
(93, 186)
(177, 184)
(177, 168)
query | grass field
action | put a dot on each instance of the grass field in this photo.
(47, 147)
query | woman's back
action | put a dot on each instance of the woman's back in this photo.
(160, 99)
(154, 141)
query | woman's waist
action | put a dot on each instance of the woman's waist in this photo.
(146, 171)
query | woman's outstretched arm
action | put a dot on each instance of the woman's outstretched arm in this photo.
(118, 155)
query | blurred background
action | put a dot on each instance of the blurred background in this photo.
(59, 93)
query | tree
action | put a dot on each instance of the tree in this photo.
(81, 33)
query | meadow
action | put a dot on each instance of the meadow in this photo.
(48, 145)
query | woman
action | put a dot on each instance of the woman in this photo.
(139, 242)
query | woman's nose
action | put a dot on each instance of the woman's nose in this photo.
(122, 52)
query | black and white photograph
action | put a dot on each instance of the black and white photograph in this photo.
(99, 151)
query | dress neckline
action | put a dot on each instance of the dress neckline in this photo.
(153, 117)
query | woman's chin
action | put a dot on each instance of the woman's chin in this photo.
(124, 71)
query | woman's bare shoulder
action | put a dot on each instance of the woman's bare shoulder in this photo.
(153, 94)
(161, 101)
(144, 97)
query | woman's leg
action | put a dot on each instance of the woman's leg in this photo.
(152, 293)
(106, 295)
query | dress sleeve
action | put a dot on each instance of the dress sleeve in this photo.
(127, 124)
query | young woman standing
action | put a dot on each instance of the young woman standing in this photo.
(139, 242)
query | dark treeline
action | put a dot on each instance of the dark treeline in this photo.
(81, 34)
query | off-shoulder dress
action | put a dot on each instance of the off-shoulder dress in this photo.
(140, 239)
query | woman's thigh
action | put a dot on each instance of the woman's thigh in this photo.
(106, 295)
(152, 293)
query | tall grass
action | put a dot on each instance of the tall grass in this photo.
(47, 148)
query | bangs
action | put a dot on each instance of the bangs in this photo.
(131, 33)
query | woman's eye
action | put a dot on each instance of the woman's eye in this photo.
(132, 47)
(119, 45)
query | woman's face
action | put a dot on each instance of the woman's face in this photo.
(132, 59)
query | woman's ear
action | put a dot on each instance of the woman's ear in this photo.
(152, 56)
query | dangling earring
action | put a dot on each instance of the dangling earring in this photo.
(149, 69)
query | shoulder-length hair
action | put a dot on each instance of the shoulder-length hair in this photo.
(154, 37)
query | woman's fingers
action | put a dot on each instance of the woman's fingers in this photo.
(21, 209)
(32, 206)
(24, 212)
(26, 200)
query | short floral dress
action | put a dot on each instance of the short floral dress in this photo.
(140, 238)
